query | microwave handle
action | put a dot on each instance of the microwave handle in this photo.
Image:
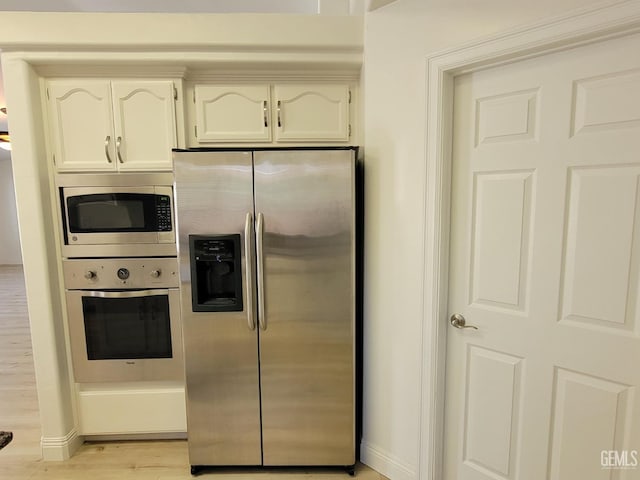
(125, 294)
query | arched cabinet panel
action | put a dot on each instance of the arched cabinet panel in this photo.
(232, 113)
(312, 113)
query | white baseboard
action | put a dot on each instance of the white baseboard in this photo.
(385, 463)
(58, 449)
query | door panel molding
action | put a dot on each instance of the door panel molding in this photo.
(579, 27)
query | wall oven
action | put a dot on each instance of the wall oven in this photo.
(124, 319)
(124, 214)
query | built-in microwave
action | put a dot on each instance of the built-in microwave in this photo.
(117, 215)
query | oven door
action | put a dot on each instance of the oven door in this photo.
(121, 336)
(116, 215)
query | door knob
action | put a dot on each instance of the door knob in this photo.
(459, 321)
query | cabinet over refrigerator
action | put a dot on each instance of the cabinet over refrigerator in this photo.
(266, 242)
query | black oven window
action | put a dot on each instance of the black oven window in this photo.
(118, 212)
(127, 328)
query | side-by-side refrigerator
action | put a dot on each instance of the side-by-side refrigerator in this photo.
(266, 242)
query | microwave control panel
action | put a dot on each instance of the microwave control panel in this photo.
(163, 213)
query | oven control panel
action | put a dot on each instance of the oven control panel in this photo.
(119, 273)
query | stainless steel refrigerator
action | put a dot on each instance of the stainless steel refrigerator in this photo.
(266, 242)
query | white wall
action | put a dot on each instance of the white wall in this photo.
(9, 237)
(398, 38)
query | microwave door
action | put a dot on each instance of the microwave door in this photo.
(107, 215)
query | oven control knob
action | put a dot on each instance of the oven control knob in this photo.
(155, 273)
(89, 274)
(123, 273)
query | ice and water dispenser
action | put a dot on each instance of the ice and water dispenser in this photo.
(216, 273)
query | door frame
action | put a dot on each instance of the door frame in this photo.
(579, 27)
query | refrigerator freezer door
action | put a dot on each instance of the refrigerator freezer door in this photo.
(214, 194)
(305, 200)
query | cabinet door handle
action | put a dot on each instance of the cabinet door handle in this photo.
(264, 113)
(118, 143)
(107, 141)
(279, 116)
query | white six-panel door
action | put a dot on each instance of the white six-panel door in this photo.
(545, 262)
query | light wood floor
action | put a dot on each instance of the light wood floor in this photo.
(139, 460)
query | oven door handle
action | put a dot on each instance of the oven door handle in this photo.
(125, 294)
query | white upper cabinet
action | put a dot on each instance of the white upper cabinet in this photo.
(101, 125)
(80, 117)
(312, 113)
(233, 113)
(291, 113)
(145, 126)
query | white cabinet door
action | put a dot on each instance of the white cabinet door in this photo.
(232, 113)
(81, 125)
(312, 113)
(145, 125)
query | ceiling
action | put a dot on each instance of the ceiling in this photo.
(167, 6)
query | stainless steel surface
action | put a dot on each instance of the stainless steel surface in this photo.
(260, 271)
(307, 352)
(116, 238)
(458, 321)
(90, 371)
(105, 273)
(126, 293)
(102, 283)
(214, 192)
(107, 141)
(114, 179)
(118, 143)
(305, 280)
(119, 250)
(249, 278)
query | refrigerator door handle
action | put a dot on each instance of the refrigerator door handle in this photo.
(262, 321)
(248, 255)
